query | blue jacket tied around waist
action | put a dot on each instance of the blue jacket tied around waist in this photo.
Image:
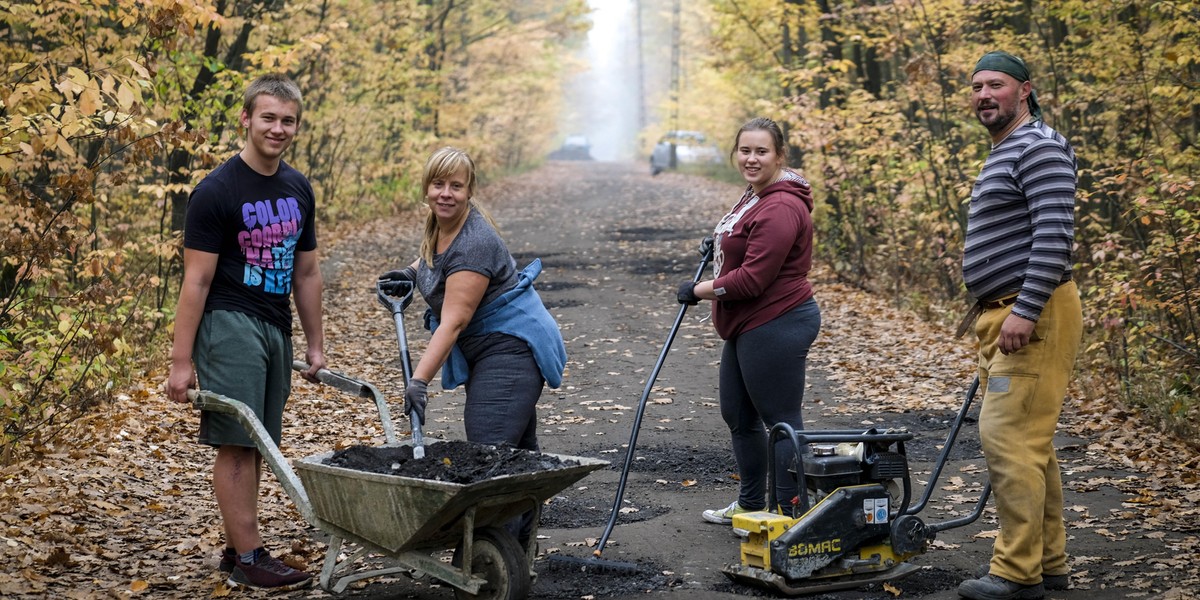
(520, 313)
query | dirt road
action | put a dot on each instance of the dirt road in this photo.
(614, 243)
(124, 506)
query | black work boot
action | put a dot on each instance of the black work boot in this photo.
(1050, 582)
(991, 587)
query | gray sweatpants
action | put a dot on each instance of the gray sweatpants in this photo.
(503, 388)
(762, 383)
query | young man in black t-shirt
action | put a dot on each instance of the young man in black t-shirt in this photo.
(249, 247)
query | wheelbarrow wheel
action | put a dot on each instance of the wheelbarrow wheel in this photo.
(500, 560)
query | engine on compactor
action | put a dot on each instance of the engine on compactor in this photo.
(828, 467)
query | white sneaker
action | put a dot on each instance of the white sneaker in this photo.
(724, 516)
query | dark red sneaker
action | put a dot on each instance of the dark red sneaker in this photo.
(267, 572)
(228, 560)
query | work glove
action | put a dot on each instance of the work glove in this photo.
(687, 293)
(398, 284)
(706, 246)
(406, 274)
(415, 398)
(397, 288)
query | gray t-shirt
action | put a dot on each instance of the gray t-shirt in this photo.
(477, 248)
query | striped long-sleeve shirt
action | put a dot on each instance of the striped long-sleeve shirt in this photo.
(1021, 224)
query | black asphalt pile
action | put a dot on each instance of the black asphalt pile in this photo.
(450, 461)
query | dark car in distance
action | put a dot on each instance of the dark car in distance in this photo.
(575, 147)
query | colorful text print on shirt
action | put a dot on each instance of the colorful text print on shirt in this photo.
(269, 243)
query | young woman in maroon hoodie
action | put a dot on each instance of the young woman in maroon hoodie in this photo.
(763, 307)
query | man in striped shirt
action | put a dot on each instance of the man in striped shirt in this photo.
(1017, 265)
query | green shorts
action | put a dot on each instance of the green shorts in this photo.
(245, 358)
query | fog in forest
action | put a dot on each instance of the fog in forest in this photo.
(603, 100)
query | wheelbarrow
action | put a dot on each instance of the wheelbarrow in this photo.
(406, 518)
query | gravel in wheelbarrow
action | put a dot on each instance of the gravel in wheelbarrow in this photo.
(452, 461)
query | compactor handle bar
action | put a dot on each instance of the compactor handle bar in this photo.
(800, 438)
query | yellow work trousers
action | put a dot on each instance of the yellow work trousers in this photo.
(1022, 398)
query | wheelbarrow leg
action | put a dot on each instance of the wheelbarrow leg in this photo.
(330, 579)
(531, 545)
(335, 548)
(468, 541)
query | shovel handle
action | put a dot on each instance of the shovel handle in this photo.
(396, 305)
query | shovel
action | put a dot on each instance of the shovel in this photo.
(396, 301)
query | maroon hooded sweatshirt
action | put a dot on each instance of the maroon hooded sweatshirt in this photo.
(764, 256)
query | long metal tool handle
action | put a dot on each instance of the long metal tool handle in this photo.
(975, 513)
(418, 437)
(397, 305)
(641, 409)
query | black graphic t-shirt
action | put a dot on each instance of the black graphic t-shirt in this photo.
(255, 224)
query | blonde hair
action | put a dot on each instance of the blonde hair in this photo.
(441, 165)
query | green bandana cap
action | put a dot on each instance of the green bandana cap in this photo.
(1001, 61)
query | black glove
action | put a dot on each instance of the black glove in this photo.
(415, 398)
(406, 274)
(396, 287)
(398, 284)
(687, 293)
(706, 246)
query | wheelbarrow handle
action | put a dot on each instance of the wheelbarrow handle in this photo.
(358, 388)
(213, 402)
(205, 400)
(337, 380)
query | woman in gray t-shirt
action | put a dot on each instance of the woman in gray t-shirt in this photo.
(504, 351)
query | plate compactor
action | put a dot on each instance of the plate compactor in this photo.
(853, 522)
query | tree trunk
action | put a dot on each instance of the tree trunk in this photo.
(435, 56)
(831, 43)
(791, 55)
(179, 158)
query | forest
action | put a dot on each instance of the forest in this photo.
(111, 110)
